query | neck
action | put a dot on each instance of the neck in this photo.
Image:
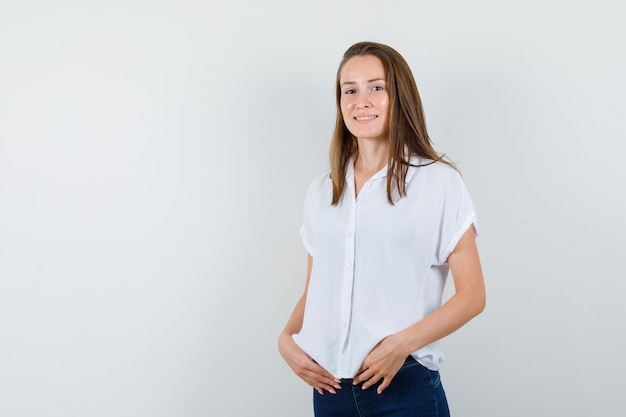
(373, 155)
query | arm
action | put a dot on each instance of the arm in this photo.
(384, 361)
(301, 363)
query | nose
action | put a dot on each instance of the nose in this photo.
(363, 101)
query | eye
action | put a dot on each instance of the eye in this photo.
(377, 88)
(349, 91)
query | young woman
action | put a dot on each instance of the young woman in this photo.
(382, 230)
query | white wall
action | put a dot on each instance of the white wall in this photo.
(153, 161)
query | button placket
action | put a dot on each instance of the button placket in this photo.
(348, 276)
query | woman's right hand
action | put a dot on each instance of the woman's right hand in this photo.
(305, 367)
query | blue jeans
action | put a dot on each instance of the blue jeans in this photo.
(415, 391)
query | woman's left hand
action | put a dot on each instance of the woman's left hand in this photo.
(383, 362)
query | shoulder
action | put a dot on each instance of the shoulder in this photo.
(319, 187)
(321, 178)
(426, 171)
(320, 182)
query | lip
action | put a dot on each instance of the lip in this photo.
(365, 118)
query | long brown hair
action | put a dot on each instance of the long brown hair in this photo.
(407, 125)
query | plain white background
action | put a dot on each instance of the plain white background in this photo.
(154, 157)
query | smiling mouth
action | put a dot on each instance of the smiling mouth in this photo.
(363, 118)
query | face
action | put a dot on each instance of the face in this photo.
(364, 100)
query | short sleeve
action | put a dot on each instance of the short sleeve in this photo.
(457, 216)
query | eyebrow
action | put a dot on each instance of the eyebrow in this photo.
(369, 81)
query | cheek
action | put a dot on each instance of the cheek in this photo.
(384, 103)
(345, 109)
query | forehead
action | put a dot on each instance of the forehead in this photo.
(365, 67)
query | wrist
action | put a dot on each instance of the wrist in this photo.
(403, 345)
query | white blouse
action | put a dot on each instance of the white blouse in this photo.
(378, 268)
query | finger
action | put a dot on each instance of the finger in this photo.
(324, 376)
(371, 381)
(361, 376)
(324, 387)
(383, 385)
(321, 381)
(330, 379)
(365, 377)
(321, 389)
(330, 382)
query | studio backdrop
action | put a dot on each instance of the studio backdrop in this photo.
(154, 158)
